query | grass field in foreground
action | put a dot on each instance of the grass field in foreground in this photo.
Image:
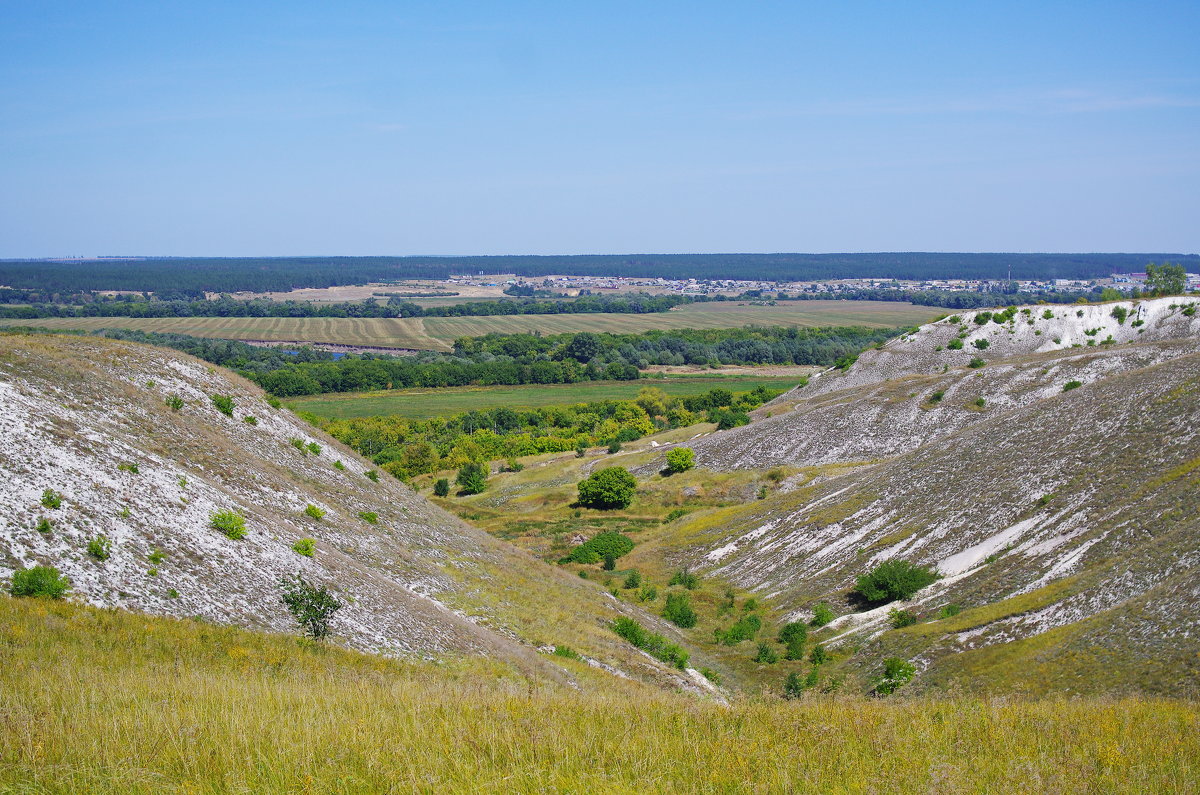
(423, 403)
(104, 701)
(438, 333)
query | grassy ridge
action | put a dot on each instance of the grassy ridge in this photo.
(437, 333)
(425, 403)
(106, 701)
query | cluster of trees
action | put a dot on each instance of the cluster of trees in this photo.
(406, 447)
(276, 274)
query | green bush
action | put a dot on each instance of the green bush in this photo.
(651, 643)
(793, 686)
(680, 459)
(896, 674)
(299, 445)
(249, 420)
(130, 468)
(372, 475)
(976, 363)
(305, 546)
(51, 499)
(822, 615)
(955, 344)
(711, 675)
(647, 594)
(893, 580)
(231, 523)
(173, 402)
(472, 478)
(675, 513)
(632, 580)
(937, 396)
(982, 317)
(1067, 387)
(314, 448)
(370, 517)
(43, 582)
(685, 578)
(1120, 313)
(611, 487)
(100, 547)
(224, 404)
(1048, 314)
(728, 418)
(600, 547)
(566, 651)
(338, 465)
(949, 611)
(745, 628)
(901, 618)
(766, 655)
(818, 656)
(610, 562)
(156, 556)
(981, 344)
(793, 630)
(312, 606)
(614, 447)
(273, 402)
(43, 525)
(980, 402)
(678, 609)
(314, 511)
(441, 488)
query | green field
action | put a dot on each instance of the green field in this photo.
(438, 333)
(425, 403)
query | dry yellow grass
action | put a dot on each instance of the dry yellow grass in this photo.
(114, 702)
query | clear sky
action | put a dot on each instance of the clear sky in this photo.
(243, 128)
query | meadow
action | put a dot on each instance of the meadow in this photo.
(438, 333)
(107, 701)
(443, 402)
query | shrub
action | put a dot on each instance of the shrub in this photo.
(611, 487)
(1120, 313)
(685, 578)
(600, 547)
(680, 459)
(273, 402)
(751, 604)
(472, 478)
(901, 618)
(372, 475)
(976, 363)
(982, 317)
(231, 523)
(711, 675)
(818, 655)
(314, 511)
(173, 402)
(652, 643)
(223, 404)
(441, 488)
(305, 547)
(51, 499)
(513, 465)
(614, 447)
(314, 448)
(299, 445)
(156, 556)
(937, 396)
(610, 562)
(896, 674)
(728, 418)
(745, 628)
(1067, 387)
(130, 468)
(793, 630)
(980, 402)
(43, 582)
(793, 686)
(1044, 499)
(647, 594)
(172, 593)
(312, 606)
(893, 580)
(949, 611)
(565, 651)
(1048, 314)
(100, 547)
(43, 525)
(632, 580)
(249, 420)
(674, 514)
(678, 609)
(981, 344)
(766, 655)
(822, 615)
(338, 465)
(370, 517)
(954, 344)
(580, 450)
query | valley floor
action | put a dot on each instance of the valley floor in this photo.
(116, 702)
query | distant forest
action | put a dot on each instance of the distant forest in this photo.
(194, 275)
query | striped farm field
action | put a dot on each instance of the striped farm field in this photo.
(425, 403)
(438, 333)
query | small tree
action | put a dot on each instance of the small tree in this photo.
(633, 579)
(44, 582)
(822, 615)
(896, 674)
(793, 686)
(679, 610)
(894, 580)
(1165, 279)
(766, 655)
(612, 487)
(472, 478)
(312, 606)
(441, 488)
(680, 459)
(818, 656)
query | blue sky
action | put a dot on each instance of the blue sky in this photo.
(521, 127)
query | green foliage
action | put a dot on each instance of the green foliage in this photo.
(99, 547)
(728, 418)
(223, 404)
(43, 525)
(711, 675)
(793, 630)
(1120, 313)
(982, 317)
(51, 499)
(745, 628)
(566, 651)
(822, 614)
(1048, 314)
(312, 606)
(896, 674)
(685, 578)
(156, 556)
(370, 517)
(130, 468)
(614, 447)
(371, 474)
(472, 477)
(172, 593)
(766, 655)
(305, 546)
(955, 344)
(314, 448)
(43, 582)
(652, 643)
(976, 363)
(174, 402)
(981, 344)
(249, 420)
(901, 618)
(893, 580)
(299, 445)
(1165, 279)
(513, 465)
(1067, 387)
(441, 488)
(675, 513)
(793, 686)
(949, 611)
(937, 396)
(229, 522)
(818, 655)
(314, 511)
(678, 609)
(648, 593)
(611, 487)
(1044, 499)
(338, 465)
(632, 580)
(599, 547)
(610, 562)
(980, 402)
(273, 402)
(680, 459)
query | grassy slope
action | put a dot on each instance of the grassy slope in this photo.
(438, 333)
(115, 702)
(423, 403)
